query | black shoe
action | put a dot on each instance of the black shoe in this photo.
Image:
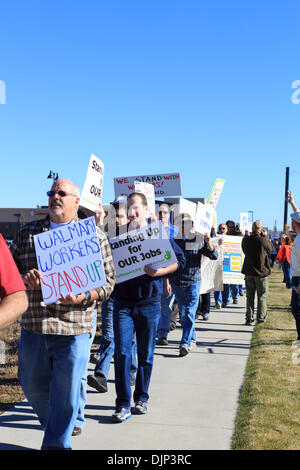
(94, 358)
(248, 322)
(162, 342)
(205, 316)
(76, 431)
(97, 382)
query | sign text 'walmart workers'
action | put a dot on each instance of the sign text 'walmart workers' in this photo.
(69, 258)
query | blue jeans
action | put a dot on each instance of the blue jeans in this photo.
(143, 320)
(107, 346)
(187, 299)
(218, 296)
(80, 421)
(51, 368)
(166, 314)
(287, 273)
(230, 289)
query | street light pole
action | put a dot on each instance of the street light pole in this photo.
(53, 176)
(287, 176)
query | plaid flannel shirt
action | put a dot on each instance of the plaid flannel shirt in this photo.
(56, 318)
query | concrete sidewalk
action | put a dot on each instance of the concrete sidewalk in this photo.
(193, 399)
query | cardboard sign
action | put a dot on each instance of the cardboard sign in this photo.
(133, 250)
(233, 258)
(91, 194)
(164, 184)
(69, 258)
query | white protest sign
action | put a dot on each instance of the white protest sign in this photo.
(245, 223)
(180, 205)
(212, 271)
(216, 192)
(165, 184)
(69, 258)
(91, 194)
(188, 207)
(133, 250)
(233, 258)
(205, 218)
(148, 190)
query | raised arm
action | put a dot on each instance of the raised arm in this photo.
(291, 201)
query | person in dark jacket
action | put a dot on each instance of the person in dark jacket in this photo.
(137, 308)
(187, 282)
(256, 268)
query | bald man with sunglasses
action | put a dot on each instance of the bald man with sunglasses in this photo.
(55, 339)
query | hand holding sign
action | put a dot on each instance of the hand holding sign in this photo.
(32, 279)
(72, 299)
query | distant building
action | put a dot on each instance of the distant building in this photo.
(12, 219)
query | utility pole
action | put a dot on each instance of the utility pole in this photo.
(287, 175)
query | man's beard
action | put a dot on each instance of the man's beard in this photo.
(56, 208)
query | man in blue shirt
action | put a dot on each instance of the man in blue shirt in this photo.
(137, 308)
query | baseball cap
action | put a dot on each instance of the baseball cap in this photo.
(296, 217)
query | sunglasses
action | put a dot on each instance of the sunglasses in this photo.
(222, 228)
(60, 193)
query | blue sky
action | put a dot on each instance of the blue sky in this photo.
(202, 88)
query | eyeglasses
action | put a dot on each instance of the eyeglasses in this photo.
(163, 212)
(60, 193)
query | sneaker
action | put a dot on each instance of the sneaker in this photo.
(205, 316)
(98, 382)
(218, 305)
(184, 350)
(296, 343)
(162, 342)
(121, 414)
(193, 345)
(235, 301)
(173, 325)
(248, 322)
(140, 408)
(224, 305)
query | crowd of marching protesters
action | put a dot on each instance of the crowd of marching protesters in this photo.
(136, 315)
